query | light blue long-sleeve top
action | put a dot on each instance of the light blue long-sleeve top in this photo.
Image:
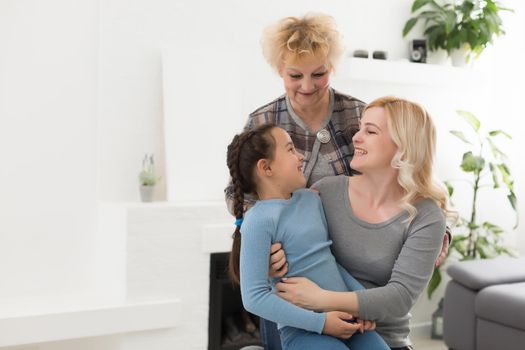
(300, 225)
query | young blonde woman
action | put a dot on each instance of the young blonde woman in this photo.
(264, 161)
(386, 223)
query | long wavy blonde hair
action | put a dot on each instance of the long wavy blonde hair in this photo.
(412, 130)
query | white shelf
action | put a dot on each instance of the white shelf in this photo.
(21, 324)
(164, 204)
(405, 73)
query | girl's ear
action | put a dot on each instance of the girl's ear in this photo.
(263, 168)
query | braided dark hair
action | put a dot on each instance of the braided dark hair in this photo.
(245, 150)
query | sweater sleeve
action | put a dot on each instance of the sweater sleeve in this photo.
(256, 292)
(411, 273)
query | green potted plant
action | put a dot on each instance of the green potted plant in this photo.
(486, 166)
(462, 28)
(148, 178)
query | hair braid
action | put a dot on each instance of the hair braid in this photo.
(243, 153)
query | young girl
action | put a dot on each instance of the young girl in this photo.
(264, 161)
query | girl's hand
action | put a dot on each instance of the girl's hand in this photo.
(337, 325)
(368, 325)
(301, 292)
(278, 265)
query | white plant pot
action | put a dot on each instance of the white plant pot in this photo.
(459, 56)
(146, 193)
(438, 57)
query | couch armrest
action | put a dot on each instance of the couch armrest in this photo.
(478, 274)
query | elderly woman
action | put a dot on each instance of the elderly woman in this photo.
(320, 120)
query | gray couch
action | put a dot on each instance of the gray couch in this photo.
(484, 306)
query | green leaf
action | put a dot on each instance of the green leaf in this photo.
(496, 152)
(505, 174)
(495, 229)
(482, 253)
(494, 173)
(459, 238)
(470, 118)
(450, 22)
(499, 132)
(472, 163)
(435, 280)
(512, 199)
(460, 135)
(419, 4)
(507, 251)
(435, 35)
(483, 242)
(409, 25)
(450, 188)
(472, 226)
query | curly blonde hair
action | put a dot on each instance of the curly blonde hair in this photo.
(314, 34)
(413, 132)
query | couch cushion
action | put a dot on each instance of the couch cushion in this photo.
(494, 336)
(503, 304)
(477, 274)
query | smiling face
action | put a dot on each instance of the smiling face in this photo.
(306, 80)
(286, 165)
(374, 148)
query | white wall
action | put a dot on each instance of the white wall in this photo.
(48, 66)
(503, 64)
(81, 102)
(132, 35)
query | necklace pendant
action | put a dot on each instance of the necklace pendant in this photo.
(323, 135)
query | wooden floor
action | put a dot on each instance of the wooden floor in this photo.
(428, 344)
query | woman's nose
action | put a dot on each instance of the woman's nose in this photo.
(357, 137)
(307, 85)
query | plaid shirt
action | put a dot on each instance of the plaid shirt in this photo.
(343, 124)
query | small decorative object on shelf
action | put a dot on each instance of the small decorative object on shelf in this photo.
(361, 53)
(437, 322)
(418, 50)
(380, 55)
(462, 28)
(148, 178)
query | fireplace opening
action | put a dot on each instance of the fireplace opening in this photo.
(230, 327)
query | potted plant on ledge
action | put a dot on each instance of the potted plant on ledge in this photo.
(461, 29)
(148, 178)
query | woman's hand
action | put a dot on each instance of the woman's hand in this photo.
(301, 292)
(278, 265)
(444, 251)
(337, 325)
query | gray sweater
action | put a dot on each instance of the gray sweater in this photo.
(392, 260)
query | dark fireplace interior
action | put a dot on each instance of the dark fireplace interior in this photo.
(230, 326)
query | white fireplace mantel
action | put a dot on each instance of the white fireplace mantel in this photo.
(44, 320)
